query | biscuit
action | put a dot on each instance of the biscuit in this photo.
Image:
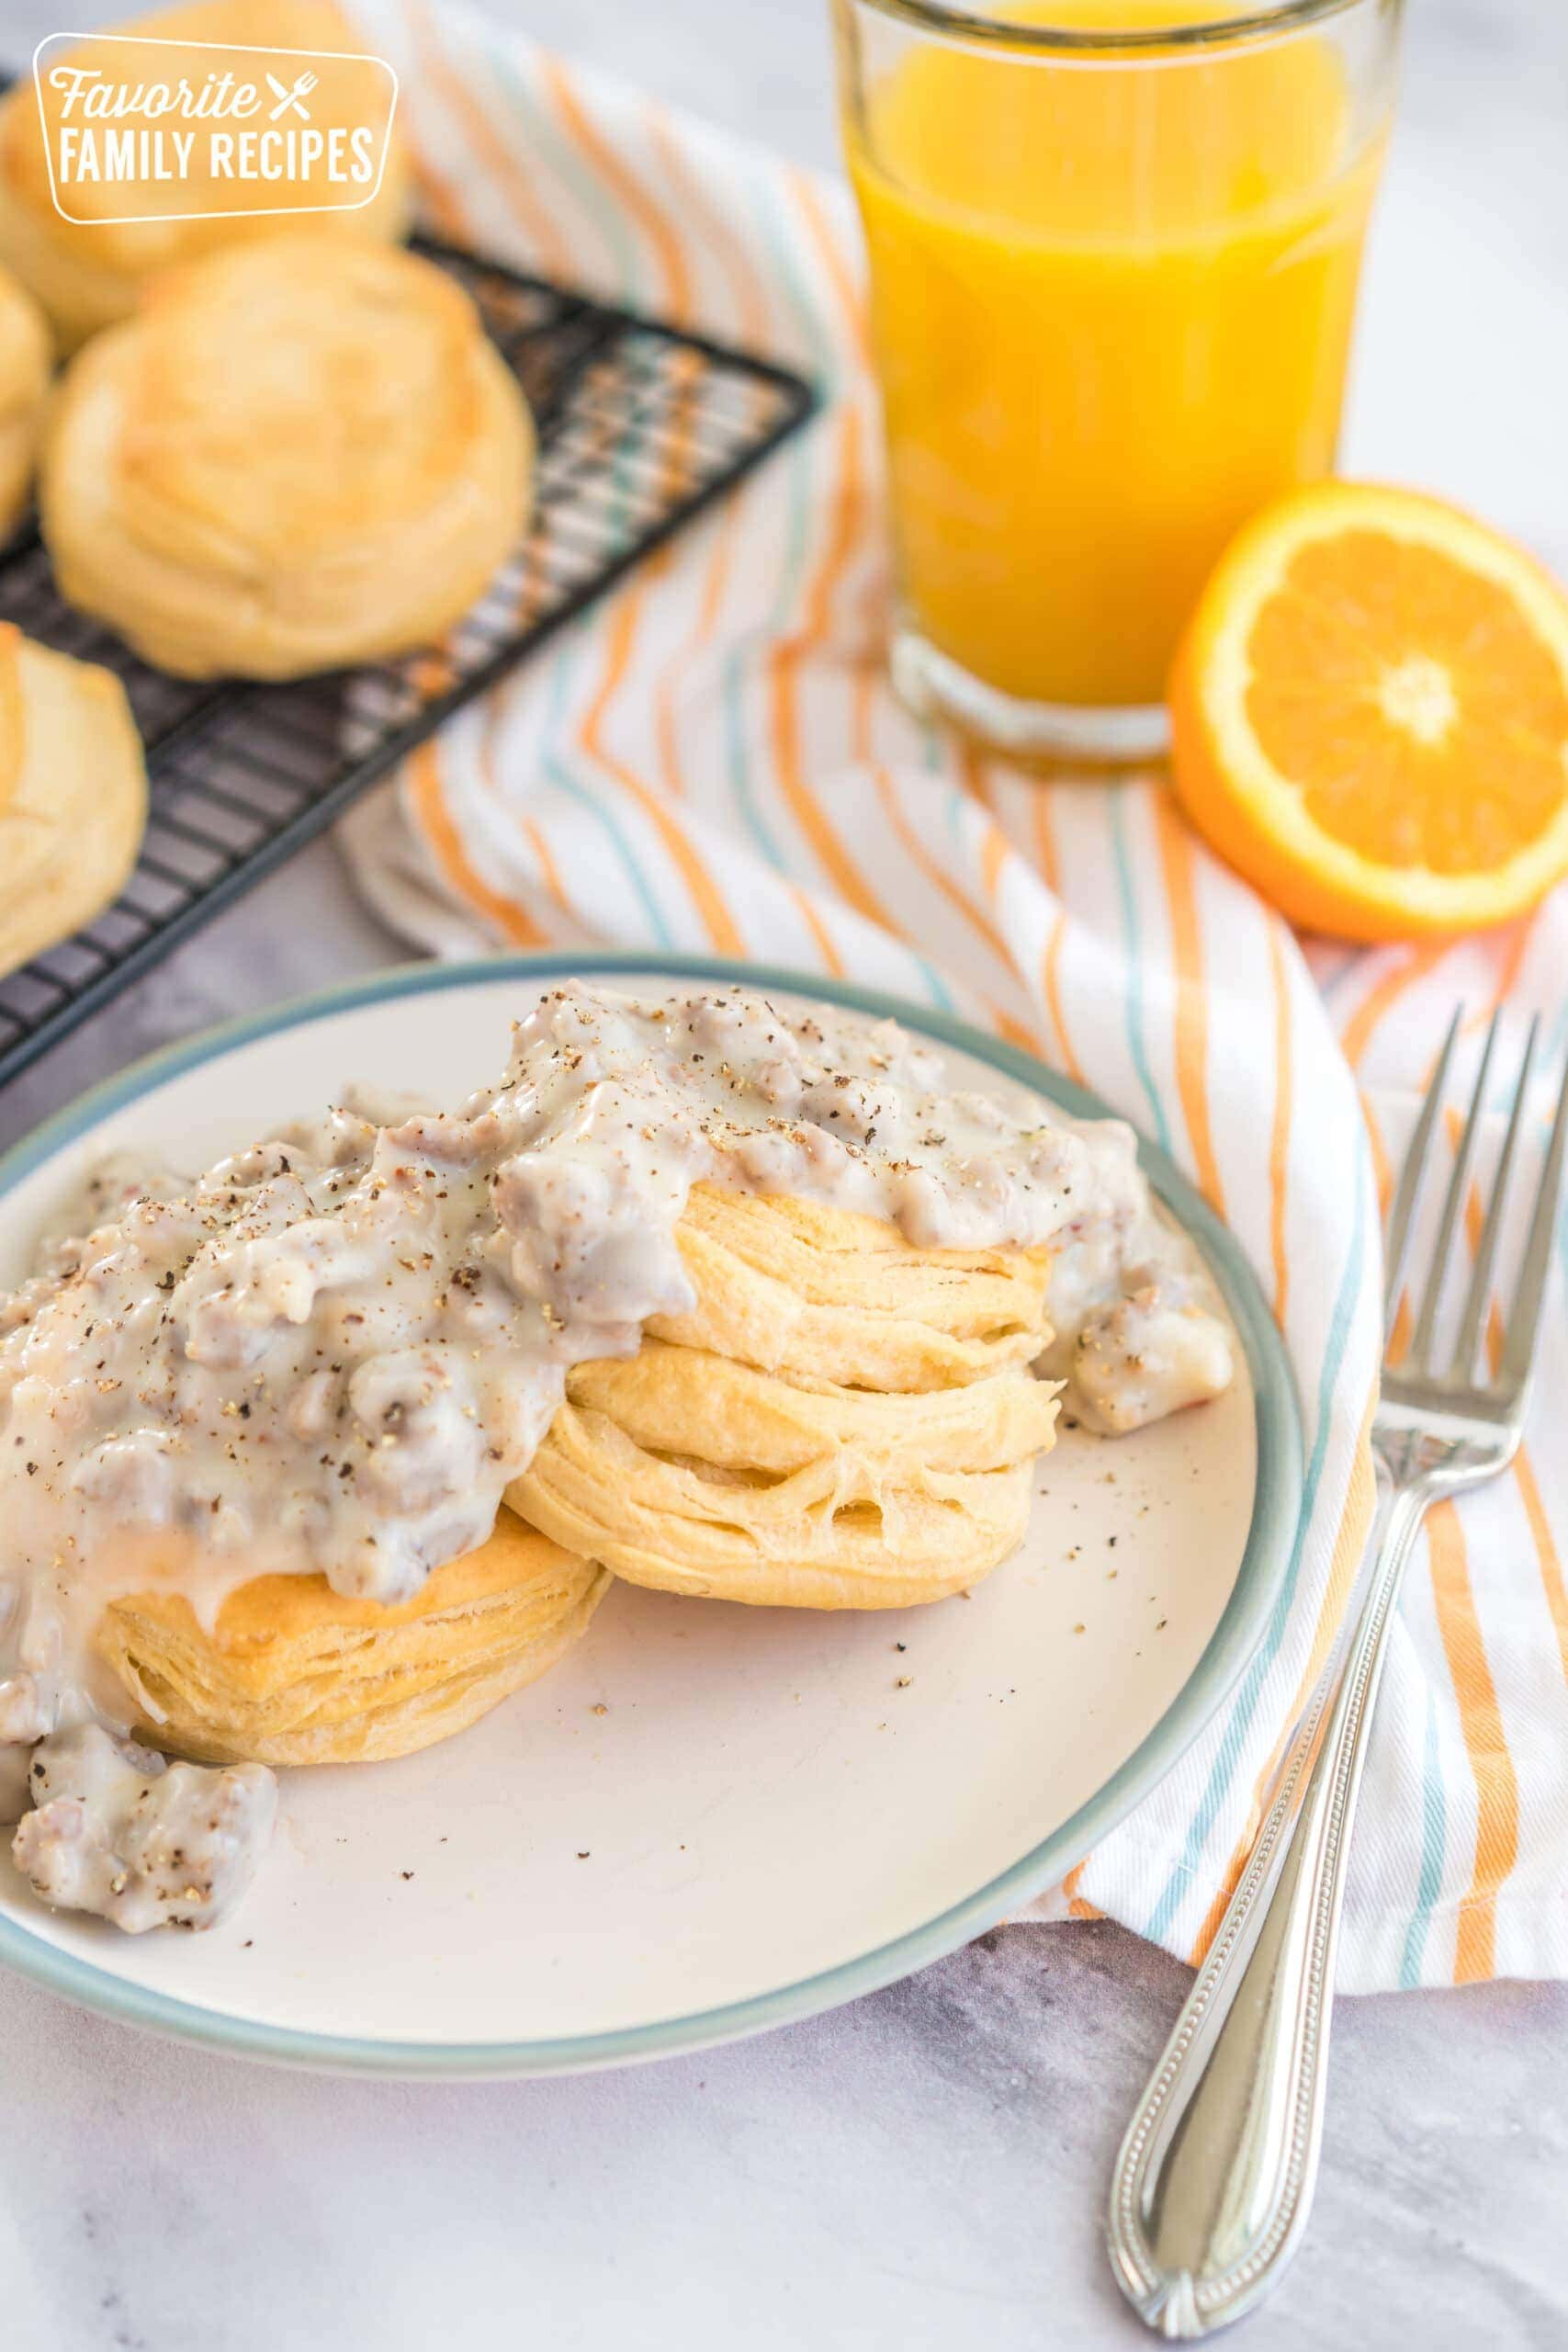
(297, 455)
(24, 388)
(842, 1421)
(73, 795)
(88, 272)
(802, 1289)
(295, 1673)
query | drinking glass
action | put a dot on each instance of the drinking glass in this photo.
(1113, 248)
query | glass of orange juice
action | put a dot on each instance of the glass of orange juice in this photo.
(1113, 248)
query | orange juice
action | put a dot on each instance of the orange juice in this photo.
(1112, 302)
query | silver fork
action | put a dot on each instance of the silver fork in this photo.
(1213, 2184)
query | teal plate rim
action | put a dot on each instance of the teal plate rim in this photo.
(1264, 1564)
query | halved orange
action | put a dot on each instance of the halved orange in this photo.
(1370, 714)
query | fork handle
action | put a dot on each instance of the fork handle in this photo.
(1213, 2183)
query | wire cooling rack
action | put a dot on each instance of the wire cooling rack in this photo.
(640, 426)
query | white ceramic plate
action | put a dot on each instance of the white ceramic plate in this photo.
(710, 1818)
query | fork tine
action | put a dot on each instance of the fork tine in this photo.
(1411, 1175)
(1480, 1291)
(1520, 1345)
(1453, 1203)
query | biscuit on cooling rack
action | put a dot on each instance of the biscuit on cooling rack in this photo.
(88, 272)
(296, 455)
(24, 388)
(73, 795)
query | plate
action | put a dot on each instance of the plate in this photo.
(709, 1819)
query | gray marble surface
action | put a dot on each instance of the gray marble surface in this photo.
(925, 2167)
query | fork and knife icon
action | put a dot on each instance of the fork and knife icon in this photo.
(292, 101)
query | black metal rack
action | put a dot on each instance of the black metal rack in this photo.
(642, 425)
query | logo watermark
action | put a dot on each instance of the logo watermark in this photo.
(142, 128)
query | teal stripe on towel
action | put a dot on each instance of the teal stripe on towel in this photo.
(1433, 1835)
(800, 460)
(570, 169)
(554, 764)
(1131, 928)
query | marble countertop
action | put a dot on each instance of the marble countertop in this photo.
(928, 2166)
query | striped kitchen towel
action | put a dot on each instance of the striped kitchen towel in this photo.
(711, 760)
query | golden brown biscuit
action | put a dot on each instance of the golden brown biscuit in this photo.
(841, 1421)
(666, 1397)
(297, 455)
(88, 272)
(874, 1518)
(295, 1673)
(807, 1291)
(24, 388)
(73, 795)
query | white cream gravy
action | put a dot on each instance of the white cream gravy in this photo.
(335, 1350)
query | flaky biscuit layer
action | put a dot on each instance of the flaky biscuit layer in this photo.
(843, 1420)
(296, 1673)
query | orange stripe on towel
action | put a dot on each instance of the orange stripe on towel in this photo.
(1051, 962)
(784, 660)
(711, 228)
(1522, 1467)
(1357, 1034)
(936, 874)
(649, 216)
(706, 896)
(1279, 1139)
(1192, 1003)
(1486, 1747)
(824, 238)
(499, 157)
(831, 959)
(1546, 1552)
(1078, 1907)
(513, 920)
